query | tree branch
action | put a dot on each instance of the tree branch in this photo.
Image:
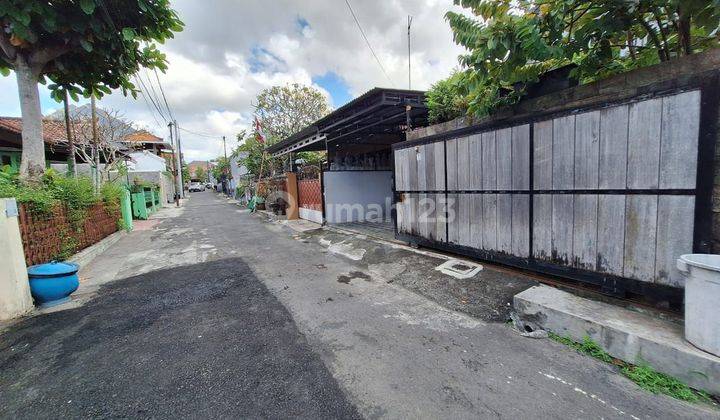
(45, 55)
(8, 50)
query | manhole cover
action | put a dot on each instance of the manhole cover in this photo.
(459, 269)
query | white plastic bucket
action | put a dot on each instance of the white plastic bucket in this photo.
(702, 300)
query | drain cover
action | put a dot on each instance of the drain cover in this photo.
(459, 269)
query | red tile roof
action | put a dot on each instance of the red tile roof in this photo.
(53, 130)
(142, 136)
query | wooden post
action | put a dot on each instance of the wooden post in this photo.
(293, 209)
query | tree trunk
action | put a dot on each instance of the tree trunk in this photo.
(32, 165)
(72, 169)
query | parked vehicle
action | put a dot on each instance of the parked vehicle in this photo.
(196, 187)
(208, 185)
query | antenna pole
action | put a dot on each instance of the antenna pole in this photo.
(408, 39)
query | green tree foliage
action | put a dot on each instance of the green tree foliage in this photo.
(511, 43)
(222, 167)
(86, 47)
(200, 173)
(445, 99)
(282, 111)
(285, 110)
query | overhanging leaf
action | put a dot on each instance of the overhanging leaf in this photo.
(87, 6)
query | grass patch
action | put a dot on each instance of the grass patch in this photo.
(646, 377)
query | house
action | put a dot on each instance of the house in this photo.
(144, 140)
(238, 171)
(54, 136)
(357, 184)
(193, 168)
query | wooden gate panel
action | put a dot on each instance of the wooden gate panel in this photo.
(609, 192)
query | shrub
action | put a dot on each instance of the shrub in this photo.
(111, 194)
(445, 100)
(38, 199)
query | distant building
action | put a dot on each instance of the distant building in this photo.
(195, 164)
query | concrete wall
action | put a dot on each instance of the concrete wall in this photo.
(167, 188)
(15, 299)
(146, 161)
(352, 196)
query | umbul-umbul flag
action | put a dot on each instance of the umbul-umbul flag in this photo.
(259, 134)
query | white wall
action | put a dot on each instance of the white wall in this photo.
(352, 196)
(15, 297)
(146, 162)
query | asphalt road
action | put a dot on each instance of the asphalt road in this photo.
(215, 313)
(206, 340)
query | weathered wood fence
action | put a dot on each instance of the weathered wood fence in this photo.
(610, 193)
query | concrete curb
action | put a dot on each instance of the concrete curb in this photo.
(634, 337)
(88, 254)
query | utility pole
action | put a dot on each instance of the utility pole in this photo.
(179, 145)
(72, 169)
(178, 169)
(227, 166)
(96, 152)
(409, 78)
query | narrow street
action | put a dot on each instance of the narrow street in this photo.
(213, 312)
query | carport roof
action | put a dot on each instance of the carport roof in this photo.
(378, 111)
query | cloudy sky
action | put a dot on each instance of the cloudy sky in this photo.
(230, 50)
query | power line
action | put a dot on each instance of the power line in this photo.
(149, 95)
(147, 104)
(163, 94)
(362, 32)
(200, 134)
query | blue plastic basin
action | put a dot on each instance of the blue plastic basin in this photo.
(52, 283)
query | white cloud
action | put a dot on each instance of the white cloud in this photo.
(230, 51)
